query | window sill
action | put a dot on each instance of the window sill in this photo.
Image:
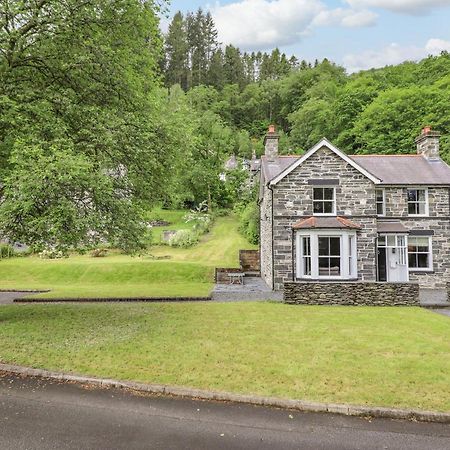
(419, 271)
(319, 280)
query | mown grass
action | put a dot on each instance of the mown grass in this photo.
(397, 357)
(186, 272)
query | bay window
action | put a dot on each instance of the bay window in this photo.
(326, 254)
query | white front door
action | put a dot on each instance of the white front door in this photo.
(396, 269)
(396, 258)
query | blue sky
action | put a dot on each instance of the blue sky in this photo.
(356, 33)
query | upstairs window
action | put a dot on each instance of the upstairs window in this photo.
(324, 201)
(381, 202)
(417, 202)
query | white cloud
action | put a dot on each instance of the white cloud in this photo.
(436, 46)
(346, 17)
(258, 24)
(393, 54)
(402, 6)
(263, 24)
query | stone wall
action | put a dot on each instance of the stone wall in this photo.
(351, 294)
(397, 202)
(249, 260)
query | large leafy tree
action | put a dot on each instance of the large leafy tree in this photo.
(81, 139)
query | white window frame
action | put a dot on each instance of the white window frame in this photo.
(333, 213)
(430, 253)
(426, 214)
(348, 256)
(377, 202)
(400, 243)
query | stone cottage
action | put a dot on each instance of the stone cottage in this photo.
(331, 217)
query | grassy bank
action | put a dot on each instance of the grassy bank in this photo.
(185, 272)
(397, 357)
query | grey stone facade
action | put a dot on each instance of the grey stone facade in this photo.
(352, 294)
(266, 226)
(291, 199)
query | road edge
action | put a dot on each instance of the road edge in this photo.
(178, 391)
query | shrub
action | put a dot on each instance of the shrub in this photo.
(184, 239)
(99, 252)
(52, 254)
(6, 251)
(249, 223)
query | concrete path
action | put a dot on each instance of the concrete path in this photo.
(253, 288)
(36, 414)
(433, 298)
(444, 312)
(6, 298)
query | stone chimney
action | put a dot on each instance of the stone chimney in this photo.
(271, 143)
(428, 144)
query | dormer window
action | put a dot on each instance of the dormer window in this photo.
(324, 201)
(417, 202)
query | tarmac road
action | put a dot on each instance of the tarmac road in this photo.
(38, 414)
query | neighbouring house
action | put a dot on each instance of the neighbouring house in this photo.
(328, 216)
(251, 166)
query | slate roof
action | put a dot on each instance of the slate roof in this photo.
(390, 169)
(405, 169)
(325, 222)
(274, 167)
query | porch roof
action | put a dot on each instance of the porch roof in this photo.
(325, 222)
(391, 227)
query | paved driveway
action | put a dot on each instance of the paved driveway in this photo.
(35, 414)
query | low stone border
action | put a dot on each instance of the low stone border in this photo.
(298, 405)
(31, 291)
(113, 300)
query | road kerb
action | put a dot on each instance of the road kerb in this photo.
(178, 391)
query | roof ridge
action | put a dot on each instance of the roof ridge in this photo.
(387, 155)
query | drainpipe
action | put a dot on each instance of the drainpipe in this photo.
(292, 254)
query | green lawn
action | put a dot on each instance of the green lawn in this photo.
(396, 357)
(187, 272)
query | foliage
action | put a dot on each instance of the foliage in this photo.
(52, 254)
(80, 121)
(99, 252)
(249, 222)
(6, 251)
(184, 239)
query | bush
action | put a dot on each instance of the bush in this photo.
(249, 223)
(52, 254)
(184, 239)
(99, 252)
(6, 251)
